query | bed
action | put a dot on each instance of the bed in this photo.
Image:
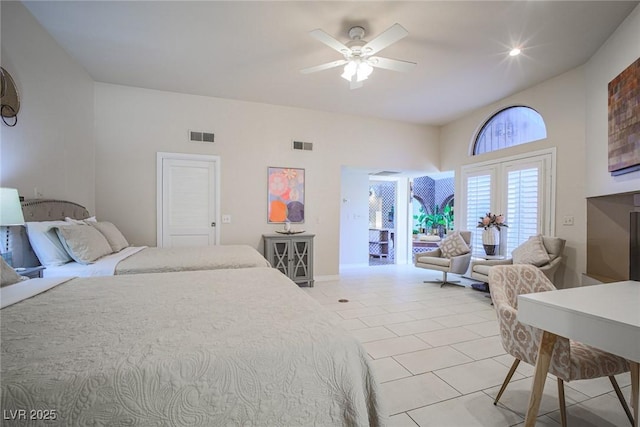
(225, 347)
(126, 260)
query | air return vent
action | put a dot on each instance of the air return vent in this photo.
(197, 136)
(305, 146)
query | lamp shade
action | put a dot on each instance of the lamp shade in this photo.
(10, 208)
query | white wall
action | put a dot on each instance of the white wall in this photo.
(354, 218)
(51, 148)
(561, 102)
(133, 124)
(620, 51)
(111, 169)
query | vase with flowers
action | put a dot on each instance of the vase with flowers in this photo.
(491, 223)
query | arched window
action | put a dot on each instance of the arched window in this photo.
(511, 126)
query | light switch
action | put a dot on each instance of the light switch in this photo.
(226, 219)
(567, 220)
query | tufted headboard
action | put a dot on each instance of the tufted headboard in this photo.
(37, 210)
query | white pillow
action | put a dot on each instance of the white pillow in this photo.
(46, 244)
(115, 238)
(84, 243)
(531, 252)
(454, 245)
(8, 275)
(80, 221)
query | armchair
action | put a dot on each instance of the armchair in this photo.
(453, 256)
(571, 360)
(525, 254)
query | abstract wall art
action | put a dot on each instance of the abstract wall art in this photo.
(624, 121)
(285, 195)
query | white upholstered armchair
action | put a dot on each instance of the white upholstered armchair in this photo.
(453, 256)
(542, 251)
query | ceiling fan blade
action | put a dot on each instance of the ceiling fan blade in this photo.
(391, 64)
(329, 41)
(321, 67)
(389, 36)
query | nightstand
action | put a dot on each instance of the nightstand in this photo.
(292, 254)
(31, 272)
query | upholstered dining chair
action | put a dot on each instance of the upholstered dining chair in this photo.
(571, 360)
(452, 256)
(544, 252)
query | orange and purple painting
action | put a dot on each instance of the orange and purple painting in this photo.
(286, 195)
(624, 121)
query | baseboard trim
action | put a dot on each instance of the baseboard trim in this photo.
(327, 278)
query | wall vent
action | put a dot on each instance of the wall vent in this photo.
(299, 145)
(197, 136)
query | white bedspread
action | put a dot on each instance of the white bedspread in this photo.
(10, 295)
(105, 266)
(210, 348)
(137, 260)
(162, 260)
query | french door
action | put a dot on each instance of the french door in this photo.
(521, 188)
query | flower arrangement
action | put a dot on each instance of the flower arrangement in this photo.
(491, 220)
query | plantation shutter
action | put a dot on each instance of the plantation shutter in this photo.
(478, 190)
(520, 188)
(523, 206)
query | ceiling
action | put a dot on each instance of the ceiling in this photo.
(253, 51)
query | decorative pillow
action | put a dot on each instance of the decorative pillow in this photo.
(454, 245)
(115, 238)
(531, 252)
(8, 275)
(84, 243)
(46, 244)
(80, 221)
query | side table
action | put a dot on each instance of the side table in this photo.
(490, 256)
(292, 254)
(30, 272)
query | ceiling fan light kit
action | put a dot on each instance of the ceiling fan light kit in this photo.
(359, 61)
(360, 70)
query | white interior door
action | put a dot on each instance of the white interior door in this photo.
(188, 200)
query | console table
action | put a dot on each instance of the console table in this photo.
(292, 254)
(603, 316)
(31, 272)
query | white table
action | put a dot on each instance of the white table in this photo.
(603, 316)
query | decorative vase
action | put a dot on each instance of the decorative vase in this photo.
(491, 240)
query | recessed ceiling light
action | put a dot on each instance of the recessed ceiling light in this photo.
(514, 52)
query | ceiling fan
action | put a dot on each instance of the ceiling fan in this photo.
(358, 54)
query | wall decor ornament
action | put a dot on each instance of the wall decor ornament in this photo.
(9, 100)
(624, 121)
(285, 195)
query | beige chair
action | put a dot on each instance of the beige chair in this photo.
(554, 247)
(570, 361)
(453, 256)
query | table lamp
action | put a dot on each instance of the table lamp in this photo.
(10, 215)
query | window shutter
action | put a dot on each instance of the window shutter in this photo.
(523, 206)
(521, 188)
(478, 204)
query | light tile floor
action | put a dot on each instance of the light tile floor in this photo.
(438, 357)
